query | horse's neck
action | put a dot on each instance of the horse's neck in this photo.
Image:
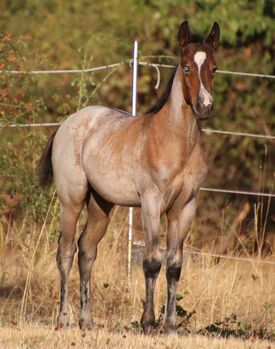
(178, 115)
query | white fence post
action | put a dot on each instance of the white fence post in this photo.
(134, 113)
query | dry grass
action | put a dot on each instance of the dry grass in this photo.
(29, 296)
(37, 336)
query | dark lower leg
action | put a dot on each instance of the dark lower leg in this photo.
(151, 270)
(172, 275)
(179, 221)
(150, 203)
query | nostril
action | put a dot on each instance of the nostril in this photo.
(205, 110)
(205, 100)
(208, 109)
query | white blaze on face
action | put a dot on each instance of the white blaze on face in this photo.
(199, 59)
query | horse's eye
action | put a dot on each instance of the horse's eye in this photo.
(186, 69)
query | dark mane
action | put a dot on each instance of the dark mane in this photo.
(195, 39)
(164, 97)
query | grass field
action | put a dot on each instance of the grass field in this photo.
(229, 304)
(36, 336)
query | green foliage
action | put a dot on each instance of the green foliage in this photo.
(231, 326)
(18, 168)
(18, 146)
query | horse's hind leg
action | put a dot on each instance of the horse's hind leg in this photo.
(69, 215)
(179, 221)
(98, 218)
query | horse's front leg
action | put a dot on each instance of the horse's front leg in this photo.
(179, 221)
(150, 203)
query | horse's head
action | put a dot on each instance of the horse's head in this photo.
(198, 66)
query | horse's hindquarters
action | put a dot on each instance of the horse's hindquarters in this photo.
(70, 179)
(109, 171)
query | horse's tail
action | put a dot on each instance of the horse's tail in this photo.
(45, 168)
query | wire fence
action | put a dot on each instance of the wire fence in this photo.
(242, 134)
(156, 66)
(190, 251)
(61, 71)
(114, 65)
(252, 75)
(207, 131)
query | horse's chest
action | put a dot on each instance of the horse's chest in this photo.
(188, 178)
(194, 175)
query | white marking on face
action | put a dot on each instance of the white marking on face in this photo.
(199, 59)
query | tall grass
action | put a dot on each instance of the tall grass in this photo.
(230, 296)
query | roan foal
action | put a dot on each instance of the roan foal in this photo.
(104, 157)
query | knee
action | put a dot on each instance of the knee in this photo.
(173, 273)
(66, 247)
(151, 267)
(173, 270)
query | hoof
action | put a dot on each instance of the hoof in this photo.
(85, 324)
(170, 328)
(148, 326)
(63, 322)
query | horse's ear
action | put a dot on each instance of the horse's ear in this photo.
(214, 36)
(184, 34)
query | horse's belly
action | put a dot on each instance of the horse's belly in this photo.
(118, 192)
(113, 185)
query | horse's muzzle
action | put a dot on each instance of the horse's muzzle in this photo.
(201, 111)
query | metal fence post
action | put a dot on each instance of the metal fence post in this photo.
(134, 113)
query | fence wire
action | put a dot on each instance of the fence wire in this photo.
(110, 66)
(215, 190)
(171, 66)
(156, 66)
(215, 255)
(236, 192)
(208, 131)
(61, 71)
